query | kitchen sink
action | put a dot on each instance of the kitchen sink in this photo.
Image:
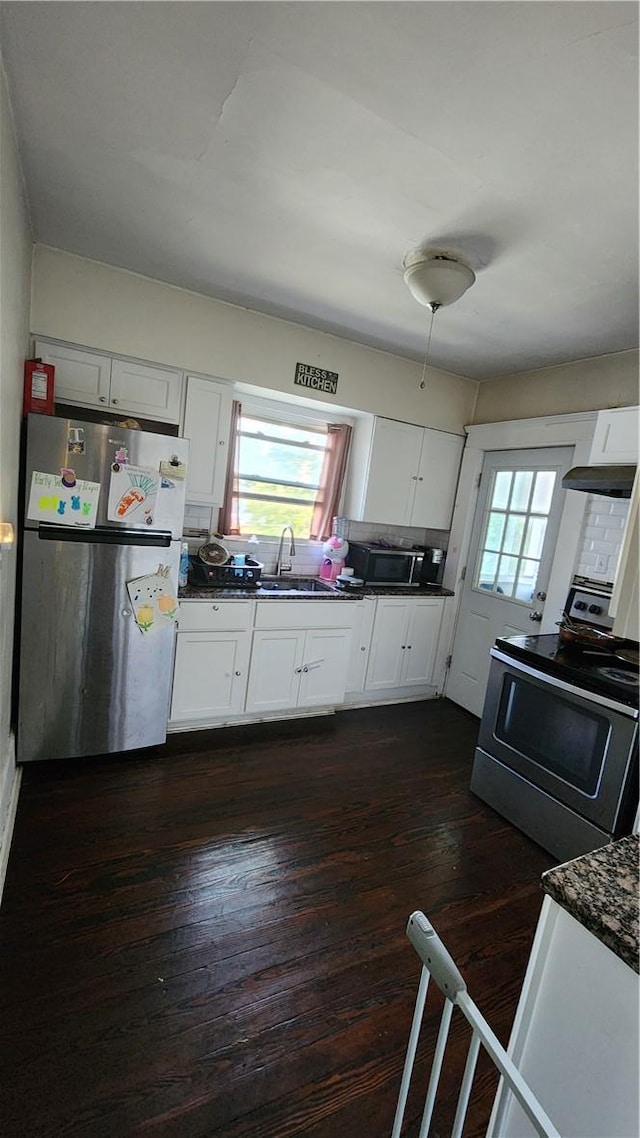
(287, 584)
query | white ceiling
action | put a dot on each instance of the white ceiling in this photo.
(285, 156)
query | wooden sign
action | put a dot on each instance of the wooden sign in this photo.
(316, 378)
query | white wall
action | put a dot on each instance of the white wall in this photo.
(88, 303)
(15, 274)
(586, 385)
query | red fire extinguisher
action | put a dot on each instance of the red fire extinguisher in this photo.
(38, 387)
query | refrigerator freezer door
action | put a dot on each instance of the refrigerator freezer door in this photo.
(92, 450)
(90, 681)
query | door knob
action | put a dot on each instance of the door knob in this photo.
(535, 616)
(541, 596)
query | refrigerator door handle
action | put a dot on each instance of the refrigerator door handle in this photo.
(103, 536)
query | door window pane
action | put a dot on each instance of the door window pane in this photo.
(495, 530)
(488, 570)
(521, 489)
(536, 529)
(543, 491)
(515, 525)
(501, 489)
(505, 582)
(513, 533)
(527, 577)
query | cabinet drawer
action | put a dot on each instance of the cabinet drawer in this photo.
(215, 616)
(306, 614)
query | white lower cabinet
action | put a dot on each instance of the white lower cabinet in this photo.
(404, 642)
(297, 668)
(210, 675)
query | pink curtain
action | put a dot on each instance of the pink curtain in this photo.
(228, 520)
(327, 503)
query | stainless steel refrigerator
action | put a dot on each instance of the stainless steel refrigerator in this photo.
(103, 509)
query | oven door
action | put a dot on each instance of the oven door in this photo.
(580, 748)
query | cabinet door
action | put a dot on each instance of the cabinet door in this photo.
(81, 378)
(615, 438)
(210, 675)
(207, 423)
(437, 479)
(393, 472)
(151, 392)
(325, 662)
(361, 644)
(423, 629)
(388, 645)
(276, 667)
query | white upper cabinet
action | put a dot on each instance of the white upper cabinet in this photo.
(207, 423)
(82, 378)
(615, 439)
(88, 379)
(150, 392)
(412, 476)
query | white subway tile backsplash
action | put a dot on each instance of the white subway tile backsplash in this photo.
(602, 534)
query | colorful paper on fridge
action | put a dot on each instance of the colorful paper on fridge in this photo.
(63, 499)
(132, 494)
(153, 600)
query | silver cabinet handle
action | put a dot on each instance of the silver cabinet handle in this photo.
(414, 477)
(238, 673)
(126, 612)
(541, 596)
(298, 670)
(537, 616)
(305, 669)
(115, 402)
(420, 479)
(215, 608)
(220, 442)
(363, 648)
(408, 647)
(102, 399)
(403, 646)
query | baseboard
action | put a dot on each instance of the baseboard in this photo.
(7, 820)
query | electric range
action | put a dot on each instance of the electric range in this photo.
(557, 750)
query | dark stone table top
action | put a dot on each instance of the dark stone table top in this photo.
(600, 890)
(331, 593)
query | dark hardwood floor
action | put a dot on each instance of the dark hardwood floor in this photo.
(208, 938)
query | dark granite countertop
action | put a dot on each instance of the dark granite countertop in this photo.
(331, 593)
(600, 890)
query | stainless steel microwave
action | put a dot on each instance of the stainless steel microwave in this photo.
(380, 565)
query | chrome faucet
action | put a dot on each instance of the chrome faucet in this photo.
(280, 567)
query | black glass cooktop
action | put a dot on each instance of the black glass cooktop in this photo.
(593, 670)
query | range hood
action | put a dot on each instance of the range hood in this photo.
(611, 481)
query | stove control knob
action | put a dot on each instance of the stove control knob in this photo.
(581, 606)
(595, 608)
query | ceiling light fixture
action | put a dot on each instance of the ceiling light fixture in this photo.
(435, 280)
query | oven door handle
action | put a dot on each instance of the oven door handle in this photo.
(553, 682)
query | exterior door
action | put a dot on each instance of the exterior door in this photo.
(513, 541)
